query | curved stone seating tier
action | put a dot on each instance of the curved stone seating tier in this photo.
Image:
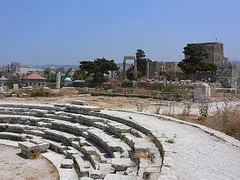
(98, 143)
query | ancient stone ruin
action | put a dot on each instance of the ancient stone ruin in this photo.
(83, 141)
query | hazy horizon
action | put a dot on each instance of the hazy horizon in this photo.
(66, 32)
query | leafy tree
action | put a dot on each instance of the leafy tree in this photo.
(141, 66)
(79, 74)
(98, 68)
(15, 79)
(195, 55)
(130, 73)
(141, 62)
(47, 73)
(140, 54)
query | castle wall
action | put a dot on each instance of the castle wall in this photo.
(226, 72)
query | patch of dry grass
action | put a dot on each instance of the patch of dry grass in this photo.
(139, 154)
(226, 123)
(67, 92)
(229, 124)
(141, 91)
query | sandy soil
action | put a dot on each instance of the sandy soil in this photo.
(14, 166)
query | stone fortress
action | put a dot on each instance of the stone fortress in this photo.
(226, 71)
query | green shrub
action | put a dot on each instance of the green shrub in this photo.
(225, 85)
(171, 141)
(15, 138)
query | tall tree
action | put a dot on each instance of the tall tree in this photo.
(195, 55)
(98, 68)
(47, 73)
(140, 54)
(141, 62)
(79, 75)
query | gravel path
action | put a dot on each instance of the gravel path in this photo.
(197, 155)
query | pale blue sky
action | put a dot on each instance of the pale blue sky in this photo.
(68, 31)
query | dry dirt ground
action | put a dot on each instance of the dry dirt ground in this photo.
(14, 166)
(100, 101)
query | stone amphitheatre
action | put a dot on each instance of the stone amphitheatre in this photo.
(101, 138)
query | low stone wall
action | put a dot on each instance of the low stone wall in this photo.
(163, 95)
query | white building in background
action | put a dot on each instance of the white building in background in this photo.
(3, 79)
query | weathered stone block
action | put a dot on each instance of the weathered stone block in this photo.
(121, 164)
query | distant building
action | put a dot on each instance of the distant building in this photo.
(158, 68)
(215, 52)
(14, 66)
(34, 80)
(226, 71)
(3, 80)
(29, 70)
(67, 81)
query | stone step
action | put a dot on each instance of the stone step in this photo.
(59, 136)
(79, 102)
(13, 136)
(121, 164)
(17, 119)
(17, 128)
(27, 105)
(38, 112)
(85, 167)
(59, 162)
(57, 146)
(120, 177)
(147, 169)
(81, 109)
(109, 143)
(70, 127)
(138, 144)
(117, 128)
(114, 115)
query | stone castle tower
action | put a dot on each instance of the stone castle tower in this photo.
(226, 71)
(215, 52)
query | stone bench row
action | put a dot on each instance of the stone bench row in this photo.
(75, 128)
(86, 169)
(83, 164)
(101, 123)
(75, 107)
(72, 137)
(109, 126)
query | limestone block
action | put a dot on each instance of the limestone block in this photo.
(86, 178)
(67, 164)
(27, 147)
(96, 174)
(79, 102)
(121, 128)
(119, 177)
(43, 147)
(121, 164)
(84, 165)
(106, 168)
(88, 149)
